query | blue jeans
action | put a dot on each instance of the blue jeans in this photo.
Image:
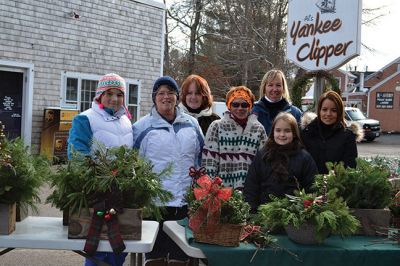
(107, 257)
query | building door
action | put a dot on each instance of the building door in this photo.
(11, 88)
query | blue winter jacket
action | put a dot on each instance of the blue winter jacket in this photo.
(265, 118)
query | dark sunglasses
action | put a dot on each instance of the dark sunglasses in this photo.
(242, 104)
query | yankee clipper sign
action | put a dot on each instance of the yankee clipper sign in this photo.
(323, 34)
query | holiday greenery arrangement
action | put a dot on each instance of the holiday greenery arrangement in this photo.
(219, 215)
(22, 173)
(210, 199)
(317, 216)
(109, 173)
(366, 186)
(216, 214)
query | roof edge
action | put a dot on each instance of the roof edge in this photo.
(383, 68)
(151, 3)
(383, 81)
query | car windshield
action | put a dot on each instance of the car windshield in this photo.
(355, 114)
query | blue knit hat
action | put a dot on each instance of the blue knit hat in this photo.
(165, 80)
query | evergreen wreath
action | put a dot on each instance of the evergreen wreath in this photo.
(300, 85)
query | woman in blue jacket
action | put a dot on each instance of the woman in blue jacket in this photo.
(274, 98)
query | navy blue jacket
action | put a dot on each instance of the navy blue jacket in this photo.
(264, 115)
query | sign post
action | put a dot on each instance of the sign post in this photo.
(323, 35)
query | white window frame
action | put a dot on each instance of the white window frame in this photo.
(27, 95)
(137, 105)
(84, 76)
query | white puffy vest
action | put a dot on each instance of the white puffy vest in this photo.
(112, 131)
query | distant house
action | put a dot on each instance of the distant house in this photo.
(377, 94)
(358, 95)
(384, 96)
(52, 54)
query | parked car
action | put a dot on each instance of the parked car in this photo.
(219, 108)
(371, 127)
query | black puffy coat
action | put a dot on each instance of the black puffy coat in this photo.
(260, 182)
(339, 146)
(205, 121)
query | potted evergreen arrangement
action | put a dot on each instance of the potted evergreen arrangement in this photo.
(22, 175)
(367, 191)
(113, 183)
(217, 214)
(308, 218)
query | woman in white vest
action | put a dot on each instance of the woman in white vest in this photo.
(106, 122)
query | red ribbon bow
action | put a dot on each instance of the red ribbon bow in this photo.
(213, 194)
(196, 174)
(248, 230)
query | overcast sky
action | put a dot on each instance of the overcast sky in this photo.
(384, 37)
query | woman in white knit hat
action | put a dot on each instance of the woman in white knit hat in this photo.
(106, 122)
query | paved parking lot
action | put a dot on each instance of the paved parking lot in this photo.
(385, 145)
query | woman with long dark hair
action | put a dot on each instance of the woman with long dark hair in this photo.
(327, 137)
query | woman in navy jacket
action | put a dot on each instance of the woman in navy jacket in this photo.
(274, 98)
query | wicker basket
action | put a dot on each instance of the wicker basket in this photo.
(227, 235)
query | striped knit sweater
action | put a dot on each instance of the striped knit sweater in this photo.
(229, 150)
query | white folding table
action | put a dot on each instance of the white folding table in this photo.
(177, 233)
(49, 233)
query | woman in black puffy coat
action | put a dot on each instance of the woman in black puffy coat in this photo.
(326, 137)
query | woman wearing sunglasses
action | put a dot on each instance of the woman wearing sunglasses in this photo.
(232, 142)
